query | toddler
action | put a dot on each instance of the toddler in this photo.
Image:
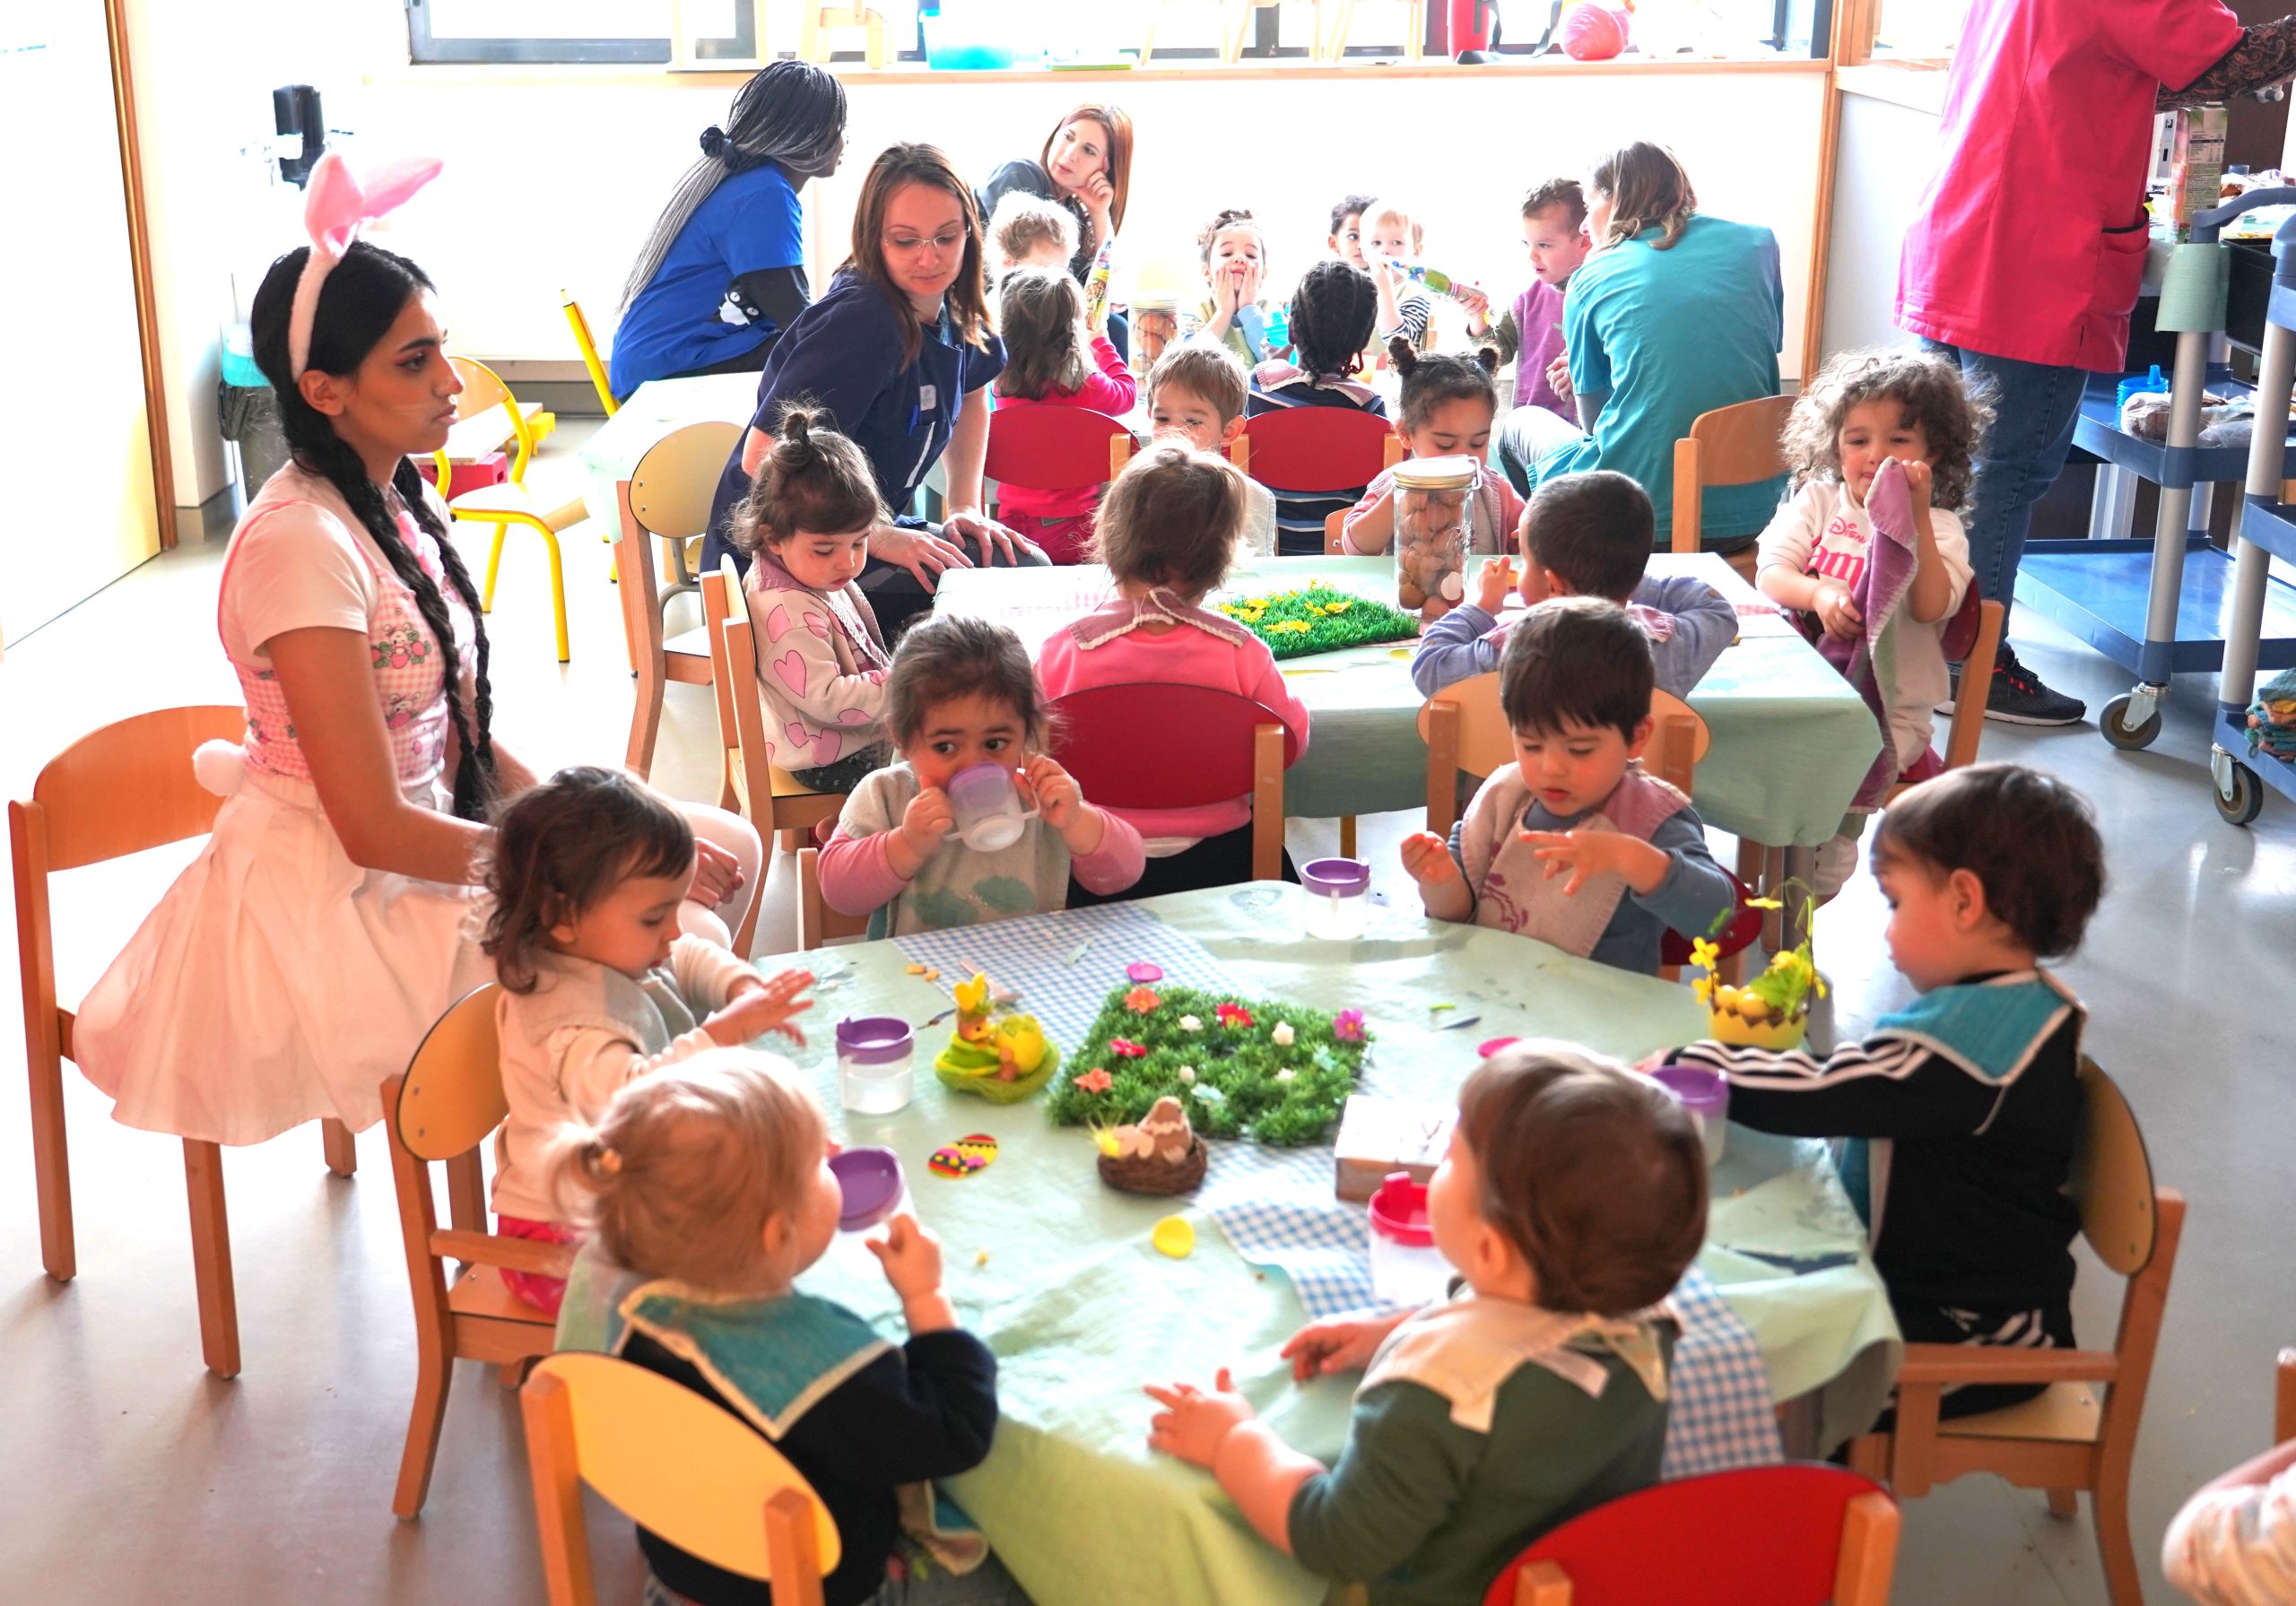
(1053, 358)
(1197, 393)
(1346, 240)
(1962, 1110)
(1554, 233)
(1447, 407)
(1575, 680)
(1234, 250)
(961, 694)
(1388, 242)
(1571, 1201)
(599, 986)
(1879, 609)
(1585, 533)
(710, 1191)
(821, 670)
(1167, 533)
(1028, 230)
(1332, 312)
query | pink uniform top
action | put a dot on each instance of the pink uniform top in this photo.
(2029, 243)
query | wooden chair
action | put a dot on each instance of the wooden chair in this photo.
(2067, 1439)
(666, 498)
(1968, 701)
(1316, 451)
(1056, 448)
(1119, 743)
(1332, 47)
(122, 789)
(678, 1464)
(1789, 1535)
(768, 796)
(510, 503)
(1467, 732)
(2284, 1399)
(1235, 29)
(1730, 446)
(577, 321)
(818, 925)
(816, 21)
(1335, 523)
(439, 1112)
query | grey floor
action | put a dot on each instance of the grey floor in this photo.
(131, 1475)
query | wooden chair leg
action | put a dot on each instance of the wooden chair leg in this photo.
(1347, 836)
(434, 1375)
(2109, 1506)
(211, 1258)
(645, 719)
(342, 1148)
(467, 1191)
(2063, 1502)
(1869, 1457)
(557, 1484)
(1869, 1552)
(52, 1167)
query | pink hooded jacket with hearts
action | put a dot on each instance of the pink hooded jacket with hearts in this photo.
(821, 665)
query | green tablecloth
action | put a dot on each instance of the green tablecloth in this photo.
(1055, 1272)
(1791, 740)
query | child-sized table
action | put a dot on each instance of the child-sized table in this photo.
(654, 410)
(1056, 1273)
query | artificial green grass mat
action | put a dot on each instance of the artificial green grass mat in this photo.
(1318, 618)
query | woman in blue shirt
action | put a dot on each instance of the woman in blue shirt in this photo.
(1675, 314)
(724, 271)
(899, 352)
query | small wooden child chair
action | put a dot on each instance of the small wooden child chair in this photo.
(679, 1467)
(1736, 445)
(666, 498)
(818, 924)
(816, 20)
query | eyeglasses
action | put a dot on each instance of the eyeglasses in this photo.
(910, 245)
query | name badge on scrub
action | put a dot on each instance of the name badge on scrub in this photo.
(928, 398)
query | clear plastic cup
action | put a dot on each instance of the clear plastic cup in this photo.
(1406, 1268)
(1706, 1095)
(876, 1057)
(1334, 898)
(987, 802)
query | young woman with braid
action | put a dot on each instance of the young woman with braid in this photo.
(1333, 311)
(327, 921)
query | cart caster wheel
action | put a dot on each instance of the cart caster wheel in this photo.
(2129, 738)
(2245, 800)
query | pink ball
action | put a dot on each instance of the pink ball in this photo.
(1593, 32)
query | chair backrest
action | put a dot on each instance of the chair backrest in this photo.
(740, 706)
(482, 389)
(1335, 523)
(674, 484)
(1977, 681)
(1465, 730)
(128, 785)
(579, 323)
(451, 1097)
(817, 922)
(1736, 445)
(1312, 449)
(679, 1465)
(1762, 1536)
(2112, 1177)
(1056, 448)
(1679, 739)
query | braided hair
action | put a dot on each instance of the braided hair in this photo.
(1333, 314)
(362, 299)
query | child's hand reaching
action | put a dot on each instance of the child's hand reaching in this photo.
(1492, 582)
(1586, 853)
(759, 1006)
(1427, 859)
(1193, 1422)
(911, 1258)
(928, 821)
(1342, 1344)
(1836, 613)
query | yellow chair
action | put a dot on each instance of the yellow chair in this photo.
(2069, 1438)
(122, 789)
(815, 19)
(445, 1107)
(510, 503)
(1736, 445)
(817, 922)
(677, 1465)
(666, 498)
(768, 796)
(581, 324)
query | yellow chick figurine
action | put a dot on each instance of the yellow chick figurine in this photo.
(1020, 1046)
(1003, 1061)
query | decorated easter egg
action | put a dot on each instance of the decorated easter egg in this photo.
(1593, 32)
(966, 1155)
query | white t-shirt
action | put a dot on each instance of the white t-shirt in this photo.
(1823, 530)
(295, 564)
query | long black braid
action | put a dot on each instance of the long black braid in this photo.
(1333, 314)
(362, 297)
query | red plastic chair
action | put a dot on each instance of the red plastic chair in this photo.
(1120, 742)
(1764, 1536)
(1736, 937)
(1316, 450)
(1056, 448)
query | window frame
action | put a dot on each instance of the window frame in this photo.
(424, 50)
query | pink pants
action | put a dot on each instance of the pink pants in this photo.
(544, 1293)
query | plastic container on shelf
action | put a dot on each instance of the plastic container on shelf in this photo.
(876, 1064)
(1334, 898)
(1434, 519)
(1406, 1268)
(1706, 1095)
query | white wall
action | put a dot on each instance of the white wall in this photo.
(555, 183)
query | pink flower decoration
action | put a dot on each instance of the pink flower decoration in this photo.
(1145, 971)
(1347, 1025)
(1141, 1000)
(1233, 1014)
(1126, 1048)
(1095, 1081)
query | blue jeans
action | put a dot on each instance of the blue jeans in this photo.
(2034, 409)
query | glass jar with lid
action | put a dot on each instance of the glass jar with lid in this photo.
(1434, 517)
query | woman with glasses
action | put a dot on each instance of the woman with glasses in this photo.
(901, 354)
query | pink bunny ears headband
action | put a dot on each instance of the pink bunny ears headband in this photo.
(335, 208)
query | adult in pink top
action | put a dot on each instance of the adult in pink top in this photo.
(2024, 258)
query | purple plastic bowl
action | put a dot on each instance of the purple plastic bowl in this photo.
(1702, 1092)
(873, 1039)
(871, 1182)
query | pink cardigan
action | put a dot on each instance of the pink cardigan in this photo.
(1113, 391)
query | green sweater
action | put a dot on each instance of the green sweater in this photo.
(1425, 1512)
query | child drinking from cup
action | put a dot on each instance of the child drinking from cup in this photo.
(1962, 1110)
(599, 986)
(712, 1194)
(1332, 311)
(1167, 533)
(1447, 406)
(940, 838)
(1197, 392)
(1234, 250)
(1575, 681)
(1571, 1201)
(1053, 358)
(821, 670)
(1865, 410)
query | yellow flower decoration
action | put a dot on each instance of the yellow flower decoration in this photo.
(1336, 607)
